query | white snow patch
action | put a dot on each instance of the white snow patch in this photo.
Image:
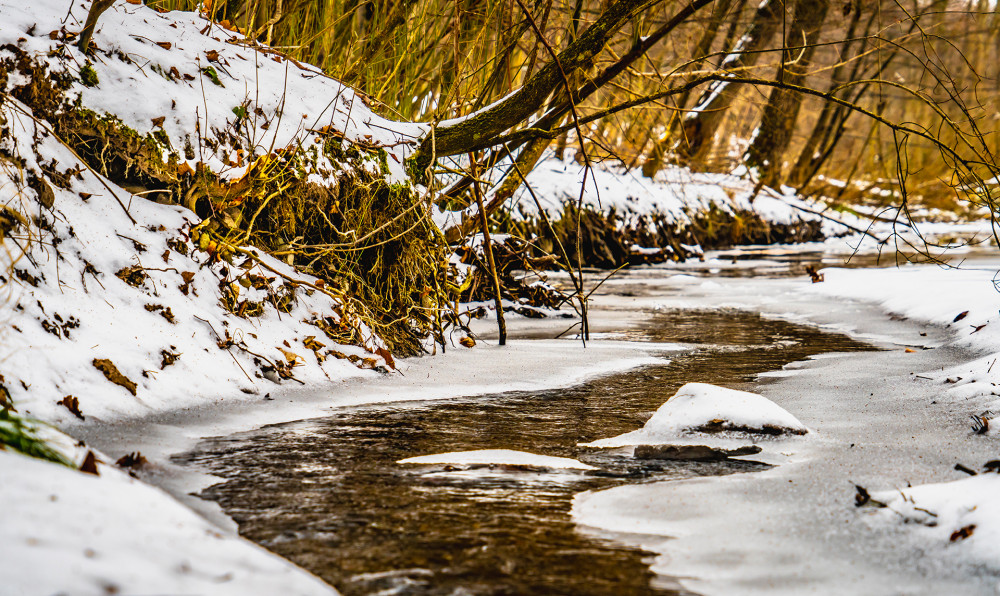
(506, 457)
(945, 509)
(69, 532)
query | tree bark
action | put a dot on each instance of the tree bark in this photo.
(465, 134)
(700, 125)
(654, 160)
(96, 10)
(773, 135)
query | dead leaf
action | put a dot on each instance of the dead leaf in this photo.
(166, 45)
(960, 316)
(188, 277)
(112, 373)
(387, 356)
(134, 1)
(167, 358)
(467, 342)
(292, 358)
(212, 55)
(134, 276)
(158, 121)
(132, 460)
(85, 195)
(43, 189)
(89, 465)
(174, 72)
(164, 311)
(963, 533)
(311, 343)
(910, 350)
(862, 497)
(73, 405)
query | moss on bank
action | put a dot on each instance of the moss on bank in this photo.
(371, 241)
(607, 238)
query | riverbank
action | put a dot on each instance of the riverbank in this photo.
(827, 394)
(139, 327)
(881, 420)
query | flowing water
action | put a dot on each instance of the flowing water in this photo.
(329, 495)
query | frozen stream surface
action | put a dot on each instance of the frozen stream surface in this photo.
(328, 494)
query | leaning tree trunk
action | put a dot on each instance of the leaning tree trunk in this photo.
(809, 154)
(654, 160)
(700, 125)
(773, 135)
(476, 131)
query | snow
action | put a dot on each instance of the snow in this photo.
(166, 331)
(676, 195)
(696, 405)
(945, 509)
(79, 310)
(117, 535)
(891, 421)
(86, 534)
(505, 457)
(284, 99)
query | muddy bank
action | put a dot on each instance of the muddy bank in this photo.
(612, 238)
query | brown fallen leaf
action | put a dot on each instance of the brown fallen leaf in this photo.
(387, 356)
(134, 276)
(960, 316)
(212, 55)
(861, 497)
(292, 358)
(166, 45)
(112, 374)
(910, 350)
(963, 533)
(188, 277)
(86, 195)
(73, 405)
(89, 465)
(467, 342)
(132, 460)
(158, 121)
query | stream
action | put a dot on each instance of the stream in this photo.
(328, 494)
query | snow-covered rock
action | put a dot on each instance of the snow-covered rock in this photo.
(699, 411)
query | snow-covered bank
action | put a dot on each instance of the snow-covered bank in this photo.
(74, 533)
(677, 195)
(112, 313)
(883, 421)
